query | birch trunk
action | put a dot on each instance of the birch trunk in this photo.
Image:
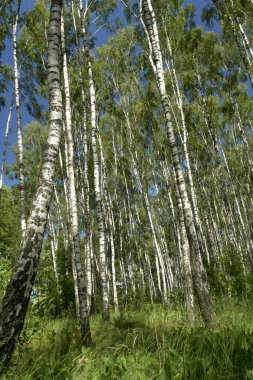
(199, 275)
(16, 299)
(5, 147)
(244, 36)
(113, 271)
(242, 49)
(88, 242)
(80, 278)
(20, 141)
(97, 183)
(98, 196)
(54, 248)
(150, 278)
(85, 180)
(108, 212)
(114, 288)
(186, 260)
(199, 231)
(159, 258)
(60, 218)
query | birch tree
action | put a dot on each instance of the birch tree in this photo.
(16, 299)
(18, 115)
(201, 287)
(77, 263)
(5, 147)
(97, 178)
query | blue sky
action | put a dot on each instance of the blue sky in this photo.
(7, 58)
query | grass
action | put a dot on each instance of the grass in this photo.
(149, 343)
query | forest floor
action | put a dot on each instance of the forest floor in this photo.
(145, 343)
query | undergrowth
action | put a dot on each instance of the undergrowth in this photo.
(149, 343)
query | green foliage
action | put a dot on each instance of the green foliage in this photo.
(149, 343)
(229, 277)
(34, 136)
(10, 234)
(51, 299)
(32, 55)
(5, 274)
(5, 70)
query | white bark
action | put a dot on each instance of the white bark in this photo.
(242, 48)
(90, 281)
(15, 302)
(244, 36)
(5, 147)
(53, 249)
(97, 179)
(199, 231)
(77, 263)
(20, 141)
(88, 240)
(157, 248)
(197, 266)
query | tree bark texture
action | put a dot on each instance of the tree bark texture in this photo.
(15, 302)
(74, 225)
(97, 182)
(20, 140)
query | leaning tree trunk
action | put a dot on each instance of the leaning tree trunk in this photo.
(199, 275)
(15, 302)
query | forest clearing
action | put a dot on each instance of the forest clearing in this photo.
(126, 176)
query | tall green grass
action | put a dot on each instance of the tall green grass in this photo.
(149, 343)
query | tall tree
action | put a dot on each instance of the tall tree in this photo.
(15, 302)
(200, 284)
(5, 147)
(97, 170)
(77, 263)
(18, 115)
